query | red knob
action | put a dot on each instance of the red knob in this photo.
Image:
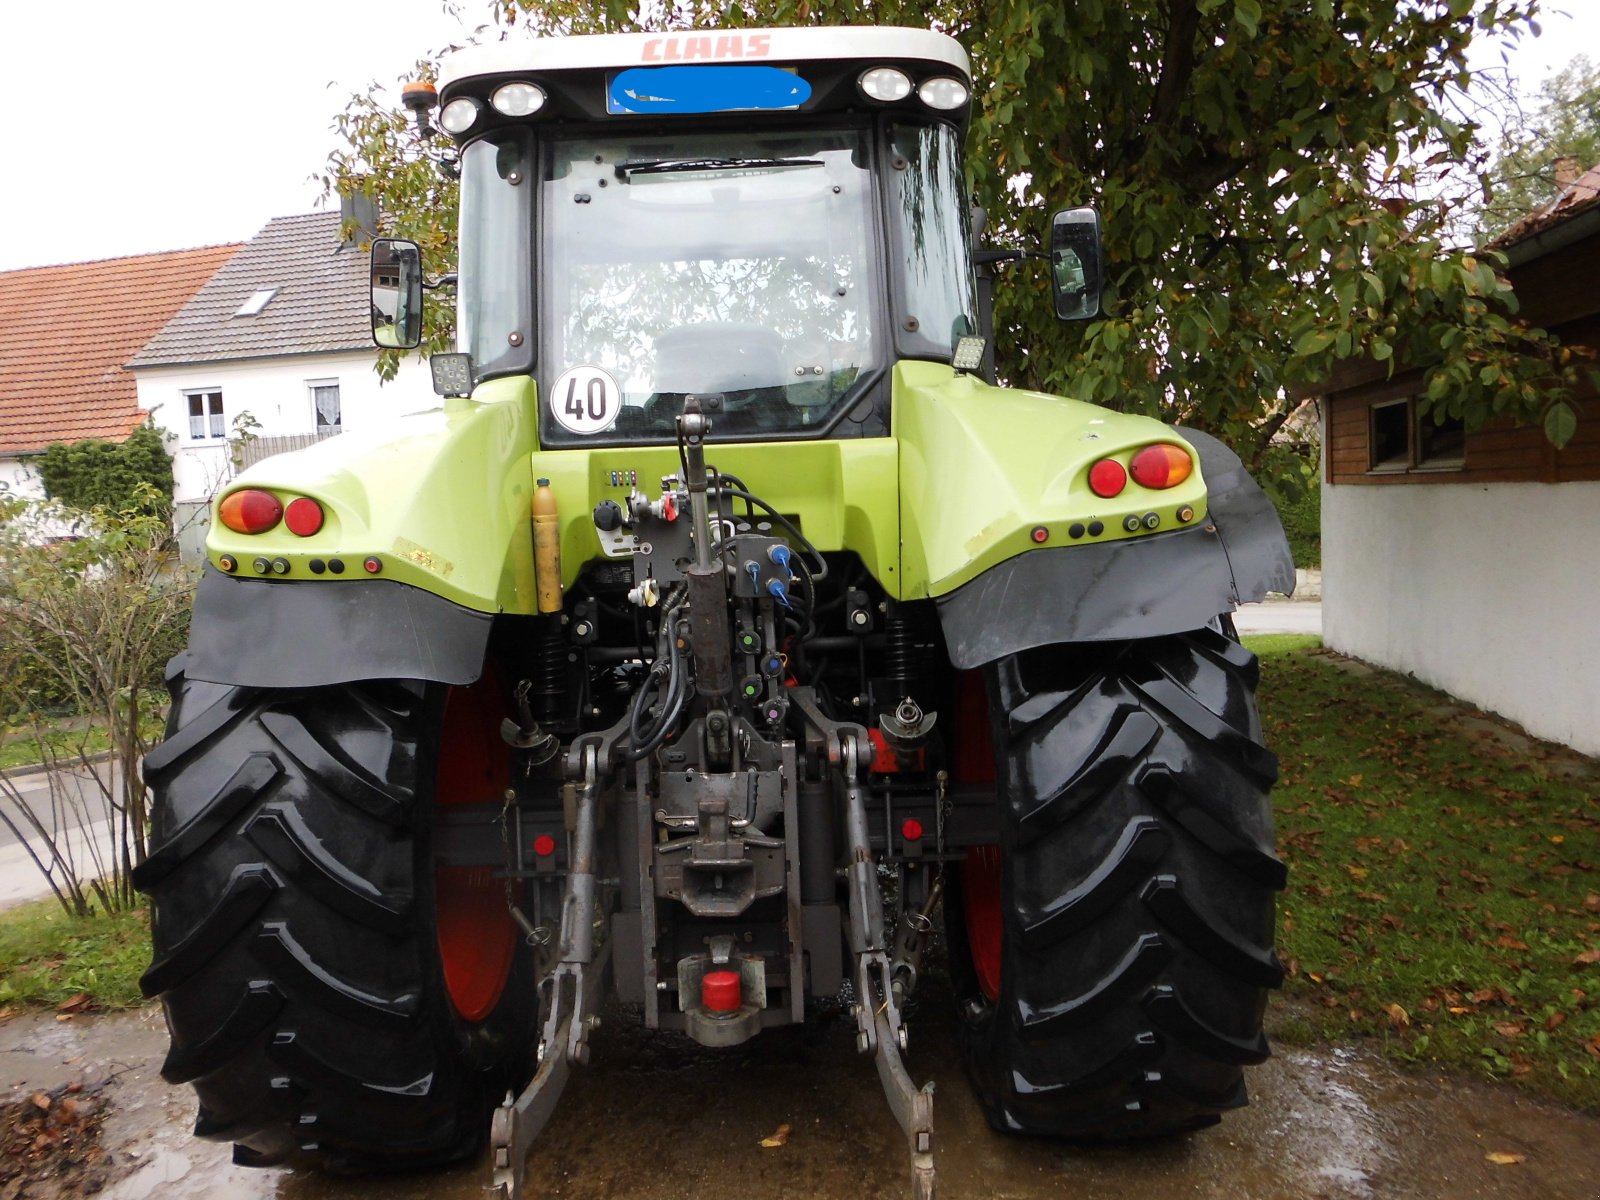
(719, 991)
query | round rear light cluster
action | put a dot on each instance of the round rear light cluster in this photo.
(303, 516)
(250, 510)
(256, 510)
(1161, 466)
(1107, 478)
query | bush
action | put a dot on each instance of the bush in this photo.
(93, 474)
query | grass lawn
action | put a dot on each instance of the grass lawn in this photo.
(67, 737)
(48, 958)
(1443, 892)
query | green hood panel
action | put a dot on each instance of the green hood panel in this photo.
(842, 494)
(982, 468)
(440, 498)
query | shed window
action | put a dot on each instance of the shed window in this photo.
(1390, 440)
(1402, 439)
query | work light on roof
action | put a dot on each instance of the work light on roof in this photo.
(518, 99)
(885, 83)
(459, 115)
(942, 92)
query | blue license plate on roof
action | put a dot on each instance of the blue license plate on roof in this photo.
(704, 89)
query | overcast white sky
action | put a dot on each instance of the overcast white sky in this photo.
(143, 125)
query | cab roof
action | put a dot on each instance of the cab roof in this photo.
(814, 44)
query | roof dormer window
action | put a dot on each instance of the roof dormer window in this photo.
(258, 301)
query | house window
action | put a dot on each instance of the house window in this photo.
(205, 416)
(1402, 439)
(256, 302)
(325, 405)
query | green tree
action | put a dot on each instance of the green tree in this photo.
(1565, 124)
(128, 476)
(1277, 181)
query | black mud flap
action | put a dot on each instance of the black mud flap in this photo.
(255, 633)
(1138, 588)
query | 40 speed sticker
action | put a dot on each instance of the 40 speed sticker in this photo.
(585, 399)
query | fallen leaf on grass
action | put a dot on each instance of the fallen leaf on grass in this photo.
(1587, 959)
(1504, 1159)
(41, 1101)
(1591, 902)
(1510, 1029)
(777, 1137)
(74, 1004)
(1400, 1017)
(1554, 1021)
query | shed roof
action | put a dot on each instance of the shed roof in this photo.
(66, 331)
(1578, 197)
(318, 304)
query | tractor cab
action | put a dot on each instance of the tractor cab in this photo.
(773, 218)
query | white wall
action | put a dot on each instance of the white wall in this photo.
(18, 478)
(1490, 592)
(277, 394)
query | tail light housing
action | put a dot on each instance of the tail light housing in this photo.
(1161, 466)
(250, 510)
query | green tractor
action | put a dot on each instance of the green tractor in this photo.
(724, 628)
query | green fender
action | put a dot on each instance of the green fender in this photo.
(1000, 526)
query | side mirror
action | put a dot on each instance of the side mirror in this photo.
(1076, 274)
(396, 293)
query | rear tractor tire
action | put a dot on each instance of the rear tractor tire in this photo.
(336, 998)
(1113, 956)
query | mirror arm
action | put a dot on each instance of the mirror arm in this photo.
(447, 280)
(984, 258)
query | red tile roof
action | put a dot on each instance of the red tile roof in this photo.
(66, 331)
(1579, 196)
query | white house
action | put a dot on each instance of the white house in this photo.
(1472, 559)
(276, 346)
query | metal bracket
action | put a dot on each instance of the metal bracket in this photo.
(571, 994)
(879, 1029)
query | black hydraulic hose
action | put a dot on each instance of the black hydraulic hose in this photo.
(822, 563)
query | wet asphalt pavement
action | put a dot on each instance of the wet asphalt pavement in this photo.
(656, 1116)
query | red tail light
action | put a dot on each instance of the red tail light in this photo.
(1107, 478)
(1161, 466)
(303, 517)
(250, 510)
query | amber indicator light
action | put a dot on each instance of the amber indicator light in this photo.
(250, 510)
(1161, 466)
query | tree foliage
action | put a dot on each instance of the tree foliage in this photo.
(1267, 171)
(1565, 124)
(133, 475)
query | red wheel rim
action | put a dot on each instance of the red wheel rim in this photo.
(980, 894)
(477, 937)
(973, 762)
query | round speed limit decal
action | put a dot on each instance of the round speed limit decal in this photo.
(585, 400)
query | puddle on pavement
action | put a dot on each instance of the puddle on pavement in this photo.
(654, 1116)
